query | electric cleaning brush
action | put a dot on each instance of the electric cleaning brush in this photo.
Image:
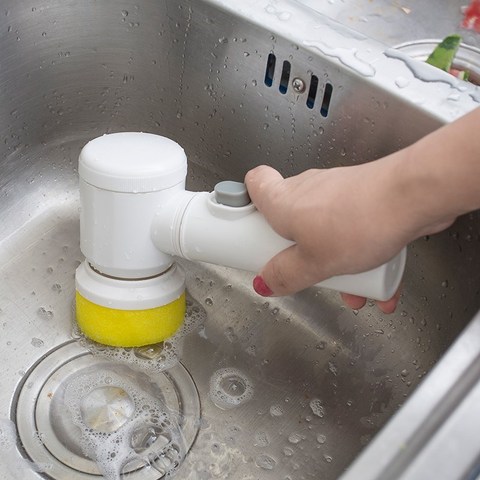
(136, 216)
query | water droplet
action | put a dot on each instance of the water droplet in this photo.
(317, 408)
(276, 411)
(296, 438)
(251, 350)
(265, 462)
(36, 342)
(230, 334)
(45, 314)
(261, 439)
(332, 368)
(402, 82)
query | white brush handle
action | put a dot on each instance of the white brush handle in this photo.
(196, 227)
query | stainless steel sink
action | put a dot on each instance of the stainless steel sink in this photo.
(236, 86)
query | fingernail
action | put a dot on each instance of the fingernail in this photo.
(261, 287)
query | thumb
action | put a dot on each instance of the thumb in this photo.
(262, 183)
(287, 272)
(265, 186)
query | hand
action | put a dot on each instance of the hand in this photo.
(343, 220)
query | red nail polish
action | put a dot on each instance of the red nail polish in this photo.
(261, 287)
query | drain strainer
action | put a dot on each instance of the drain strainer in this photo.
(85, 416)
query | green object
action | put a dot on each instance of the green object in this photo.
(443, 55)
(464, 75)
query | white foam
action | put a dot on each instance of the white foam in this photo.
(229, 388)
(153, 358)
(150, 437)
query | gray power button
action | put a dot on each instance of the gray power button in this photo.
(231, 194)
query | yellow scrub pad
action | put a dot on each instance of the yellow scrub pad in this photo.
(129, 328)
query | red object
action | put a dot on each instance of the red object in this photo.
(471, 19)
(461, 74)
(261, 287)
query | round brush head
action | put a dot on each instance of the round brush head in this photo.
(129, 313)
(129, 328)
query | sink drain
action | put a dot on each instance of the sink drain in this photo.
(85, 416)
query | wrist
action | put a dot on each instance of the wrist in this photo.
(422, 206)
(443, 169)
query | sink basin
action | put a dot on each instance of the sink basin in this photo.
(236, 86)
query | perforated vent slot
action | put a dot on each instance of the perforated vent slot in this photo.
(312, 92)
(316, 98)
(270, 70)
(327, 96)
(285, 78)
